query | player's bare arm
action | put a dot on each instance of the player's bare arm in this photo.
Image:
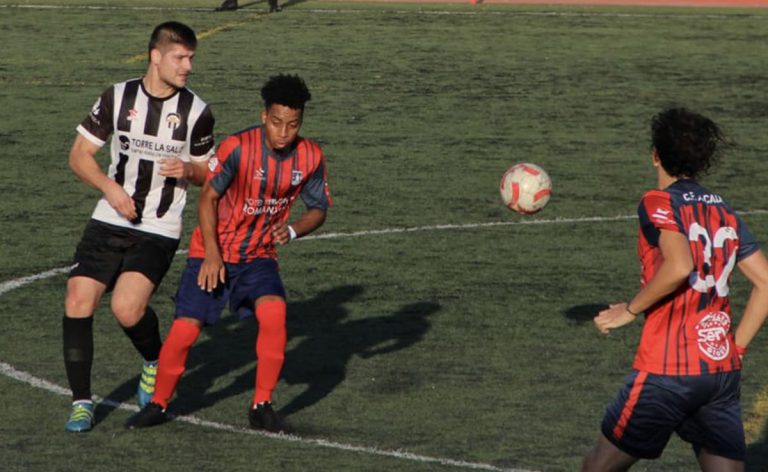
(193, 172)
(82, 161)
(673, 272)
(755, 269)
(309, 221)
(212, 270)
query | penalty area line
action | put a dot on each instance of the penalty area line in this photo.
(24, 377)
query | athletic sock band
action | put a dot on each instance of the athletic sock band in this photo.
(173, 360)
(270, 348)
(145, 335)
(77, 340)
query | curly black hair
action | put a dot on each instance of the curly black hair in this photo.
(688, 144)
(286, 90)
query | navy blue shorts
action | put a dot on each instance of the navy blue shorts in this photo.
(245, 283)
(703, 410)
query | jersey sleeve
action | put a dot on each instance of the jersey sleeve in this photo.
(98, 125)
(201, 143)
(657, 213)
(747, 242)
(222, 168)
(315, 193)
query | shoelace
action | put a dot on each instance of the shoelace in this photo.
(79, 412)
(148, 374)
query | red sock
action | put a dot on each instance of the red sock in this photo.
(270, 348)
(173, 360)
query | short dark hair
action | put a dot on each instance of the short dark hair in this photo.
(172, 32)
(286, 90)
(688, 144)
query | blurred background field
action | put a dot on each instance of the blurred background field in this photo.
(468, 336)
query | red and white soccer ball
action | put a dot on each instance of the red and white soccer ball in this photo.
(526, 188)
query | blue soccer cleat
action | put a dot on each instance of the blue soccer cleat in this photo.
(147, 383)
(80, 418)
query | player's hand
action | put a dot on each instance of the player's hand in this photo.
(740, 350)
(212, 271)
(280, 233)
(120, 201)
(614, 317)
(172, 168)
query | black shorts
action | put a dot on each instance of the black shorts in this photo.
(704, 410)
(105, 251)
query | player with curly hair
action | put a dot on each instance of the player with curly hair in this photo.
(686, 373)
(243, 213)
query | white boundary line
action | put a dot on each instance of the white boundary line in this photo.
(9, 371)
(13, 373)
(690, 11)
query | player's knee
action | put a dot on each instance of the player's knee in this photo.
(79, 305)
(127, 311)
(271, 316)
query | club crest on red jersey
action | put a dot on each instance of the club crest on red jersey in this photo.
(296, 176)
(713, 335)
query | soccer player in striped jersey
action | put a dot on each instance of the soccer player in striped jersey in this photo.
(686, 372)
(243, 211)
(162, 138)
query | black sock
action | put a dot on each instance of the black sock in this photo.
(78, 355)
(145, 336)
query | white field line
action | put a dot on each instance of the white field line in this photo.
(10, 371)
(20, 282)
(690, 12)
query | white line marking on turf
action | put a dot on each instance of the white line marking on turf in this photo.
(20, 282)
(17, 283)
(10, 371)
(681, 12)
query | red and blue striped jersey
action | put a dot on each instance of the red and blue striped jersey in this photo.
(257, 188)
(689, 332)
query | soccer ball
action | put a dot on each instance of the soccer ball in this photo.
(525, 188)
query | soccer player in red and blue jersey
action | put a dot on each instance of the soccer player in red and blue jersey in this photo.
(252, 182)
(686, 372)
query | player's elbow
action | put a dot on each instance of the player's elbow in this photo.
(678, 271)
(683, 272)
(75, 162)
(319, 216)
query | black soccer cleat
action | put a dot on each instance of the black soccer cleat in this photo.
(151, 415)
(264, 417)
(227, 5)
(274, 7)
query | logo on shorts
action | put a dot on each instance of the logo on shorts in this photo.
(212, 164)
(713, 335)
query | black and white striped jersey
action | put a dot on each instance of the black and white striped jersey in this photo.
(145, 130)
